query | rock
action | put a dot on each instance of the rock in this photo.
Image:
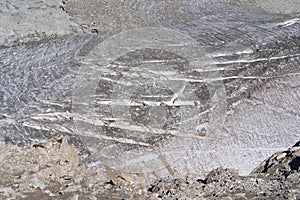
(37, 183)
(44, 167)
(220, 174)
(84, 182)
(281, 162)
(227, 184)
(6, 191)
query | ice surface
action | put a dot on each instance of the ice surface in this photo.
(218, 87)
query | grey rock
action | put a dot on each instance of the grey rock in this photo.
(18, 180)
(282, 162)
(227, 184)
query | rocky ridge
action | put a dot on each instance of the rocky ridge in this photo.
(53, 170)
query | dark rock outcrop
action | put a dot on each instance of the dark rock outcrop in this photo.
(276, 178)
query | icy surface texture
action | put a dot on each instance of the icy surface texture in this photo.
(213, 83)
(33, 19)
